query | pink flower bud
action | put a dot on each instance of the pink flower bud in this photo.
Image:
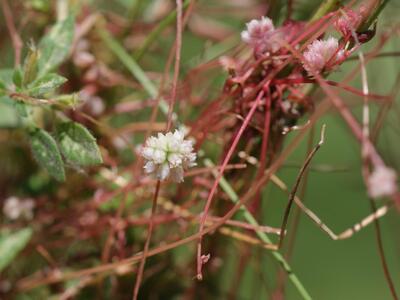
(259, 34)
(348, 22)
(257, 30)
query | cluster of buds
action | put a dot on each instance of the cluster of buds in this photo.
(15, 208)
(82, 57)
(264, 38)
(168, 155)
(321, 54)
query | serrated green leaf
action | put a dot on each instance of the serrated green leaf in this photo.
(46, 152)
(45, 84)
(78, 145)
(55, 46)
(11, 244)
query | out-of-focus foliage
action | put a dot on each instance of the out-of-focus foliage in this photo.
(11, 243)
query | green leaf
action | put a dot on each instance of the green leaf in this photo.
(46, 152)
(8, 114)
(21, 108)
(11, 244)
(6, 77)
(78, 145)
(68, 99)
(30, 66)
(17, 77)
(45, 84)
(3, 86)
(55, 46)
(41, 5)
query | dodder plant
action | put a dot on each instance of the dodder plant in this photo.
(269, 98)
(204, 162)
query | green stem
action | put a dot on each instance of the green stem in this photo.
(156, 32)
(133, 9)
(249, 218)
(325, 7)
(373, 17)
(133, 67)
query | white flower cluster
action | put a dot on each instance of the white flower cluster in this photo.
(382, 182)
(261, 35)
(320, 52)
(168, 155)
(15, 208)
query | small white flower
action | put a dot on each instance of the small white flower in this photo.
(15, 208)
(260, 34)
(120, 142)
(88, 218)
(168, 155)
(318, 54)
(286, 106)
(96, 106)
(91, 103)
(382, 182)
(83, 59)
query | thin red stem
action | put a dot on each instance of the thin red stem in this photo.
(381, 251)
(344, 111)
(16, 39)
(147, 243)
(218, 178)
(27, 284)
(178, 49)
(264, 146)
(289, 81)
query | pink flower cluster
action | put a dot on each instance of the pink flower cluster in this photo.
(261, 35)
(321, 54)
